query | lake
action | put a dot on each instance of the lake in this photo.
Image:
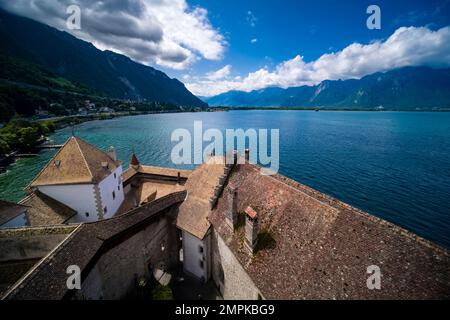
(394, 165)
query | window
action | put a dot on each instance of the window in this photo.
(105, 209)
(200, 249)
(118, 187)
(114, 195)
(115, 175)
(87, 214)
(201, 264)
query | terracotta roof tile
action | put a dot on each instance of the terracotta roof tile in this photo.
(134, 161)
(316, 247)
(194, 211)
(76, 162)
(44, 210)
(250, 212)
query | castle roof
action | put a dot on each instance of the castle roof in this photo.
(311, 246)
(44, 210)
(194, 211)
(154, 172)
(83, 247)
(134, 161)
(77, 162)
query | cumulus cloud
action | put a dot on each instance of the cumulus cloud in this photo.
(166, 32)
(254, 40)
(405, 47)
(219, 74)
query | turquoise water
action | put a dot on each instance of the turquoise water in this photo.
(395, 165)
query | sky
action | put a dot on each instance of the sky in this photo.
(215, 46)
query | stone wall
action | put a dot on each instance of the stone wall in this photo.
(115, 274)
(228, 274)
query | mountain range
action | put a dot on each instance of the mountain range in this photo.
(410, 88)
(104, 72)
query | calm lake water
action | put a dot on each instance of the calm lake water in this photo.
(394, 165)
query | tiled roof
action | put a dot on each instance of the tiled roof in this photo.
(154, 171)
(75, 163)
(10, 210)
(194, 211)
(134, 161)
(82, 247)
(312, 246)
(44, 210)
(250, 212)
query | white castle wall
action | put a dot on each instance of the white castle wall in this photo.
(192, 256)
(109, 185)
(79, 197)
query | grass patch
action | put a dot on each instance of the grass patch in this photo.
(161, 292)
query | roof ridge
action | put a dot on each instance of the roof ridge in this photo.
(84, 159)
(47, 164)
(94, 147)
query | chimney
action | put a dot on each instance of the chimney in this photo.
(251, 228)
(178, 177)
(232, 215)
(112, 153)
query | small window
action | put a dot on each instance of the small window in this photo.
(115, 175)
(87, 214)
(114, 195)
(105, 209)
(200, 249)
(118, 187)
(202, 264)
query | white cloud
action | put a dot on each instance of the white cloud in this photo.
(251, 19)
(166, 32)
(254, 40)
(219, 74)
(405, 47)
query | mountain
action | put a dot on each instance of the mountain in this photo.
(407, 88)
(105, 72)
(18, 71)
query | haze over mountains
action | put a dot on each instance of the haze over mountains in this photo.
(105, 72)
(410, 88)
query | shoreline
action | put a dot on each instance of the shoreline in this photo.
(66, 121)
(322, 110)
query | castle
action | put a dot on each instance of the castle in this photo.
(252, 236)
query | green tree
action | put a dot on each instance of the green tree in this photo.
(4, 147)
(27, 138)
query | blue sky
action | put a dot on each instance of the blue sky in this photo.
(284, 29)
(214, 46)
